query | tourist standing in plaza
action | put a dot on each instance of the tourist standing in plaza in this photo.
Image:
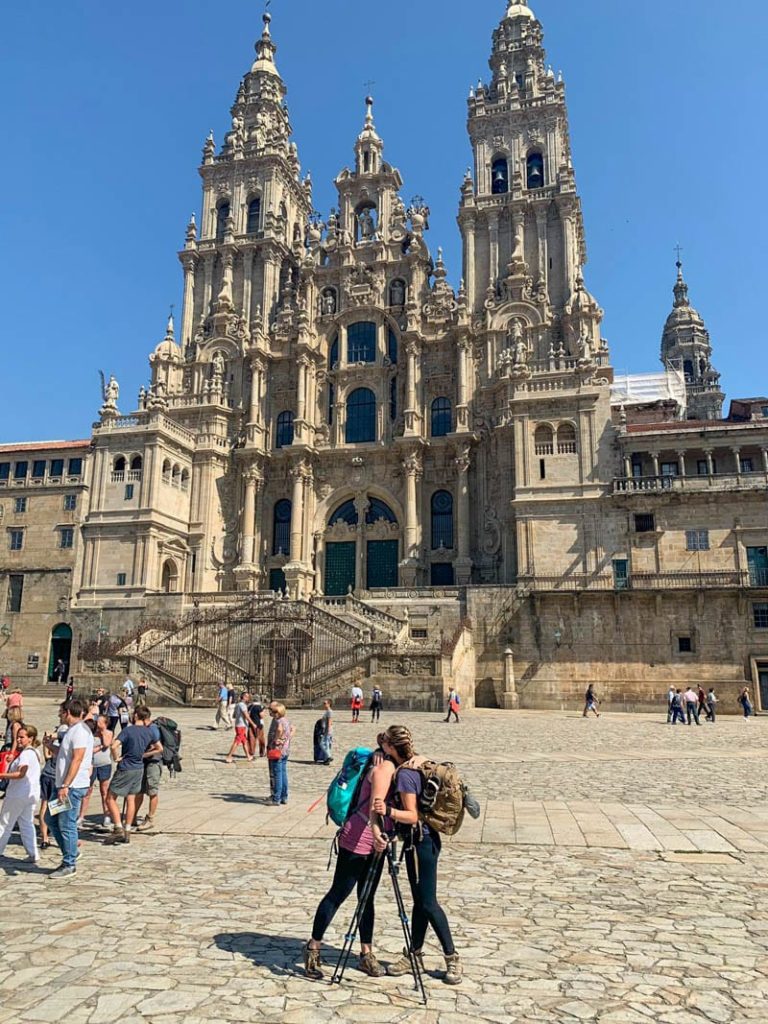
(711, 706)
(129, 688)
(454, 703)
(137, 743)
(150, 783)
(22, 794)
(143, 689)
(278, 751)
(691, 699)
(222, 708)
(356, 702)
(746, 703)
(591, 702)
(670, 702)
(377, 702)
(103, 738)
(323, 736)
(361, 840)
(74, 762)
(243, 724)
(256, 735)
(115, 705)
(13, 723)
(422, 854)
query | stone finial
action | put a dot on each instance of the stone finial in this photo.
(191, 233)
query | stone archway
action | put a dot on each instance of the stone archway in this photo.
(169, 581)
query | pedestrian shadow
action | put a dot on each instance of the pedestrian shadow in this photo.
(242, 798)
(281, 955)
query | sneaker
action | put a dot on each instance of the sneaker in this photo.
(146, 825)
(119, 836)
(312, 963)
(65, 871)
(453, 970)
(368, 964)
(107, 823)
(403, 965)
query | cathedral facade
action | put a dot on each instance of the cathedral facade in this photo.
(330, 417)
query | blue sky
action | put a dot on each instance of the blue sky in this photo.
(107, 106)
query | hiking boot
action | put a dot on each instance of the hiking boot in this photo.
(146, 825)
(119, 836)
(403, 965)
(368, 964)
(312, 963)
(453, 970)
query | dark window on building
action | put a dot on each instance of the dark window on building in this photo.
(70, 502)
(67, 537)
(442, 417)
(57, 467)
(15, 592)
(333, 353)
(621, 573)
(637, 467)
(128, 492)
(542, 469)
(393, 399)
(441, 574)
(38, 469)
(697, 540)
(442, 520)
(377, 510)
(759, 614)
(284, 434)
(75, 467)
(20, 505)
(222, 216)
(535, 170)
(392, 347)
(361, 416)
(254, 216)
(764, 410)
(747, 465)
(499, 176)
(688, 370)
(281, 532)
(5, 470)
(670, 469)
(122, 579)
(20, 470)
(702, 469)
(16, 540)
(346, 513)
(277, 581)
(361, 343)
(684, 645)
(645, 522)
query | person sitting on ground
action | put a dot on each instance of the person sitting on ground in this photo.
(22, 795)
(137, 743)
(422, 852)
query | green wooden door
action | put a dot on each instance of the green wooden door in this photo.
(340, 567)
(382, 563)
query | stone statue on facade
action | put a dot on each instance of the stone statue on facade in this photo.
(329, 302)
(367, 225)
(110, 391)
(218, 365)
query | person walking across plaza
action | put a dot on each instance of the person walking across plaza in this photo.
(591, 702)
(422, 854)
(278, 751)
(13, 722)
(702, 699)
(22, 795)
(356, 702)
(222, 708)
(454, 703)
(691, 699)
(74, 763)
(138, 742)
(670, 700)
(377, 702)
(243, 723)
(746, 703)
(711, 706)
(677, 709)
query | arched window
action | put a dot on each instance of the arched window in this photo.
(442, 419)
(442, 520)
(361, 416)
(392, 347)
(361, 343)
(566, 439)
(544, 439)
(535, 170)
(346, 513)
(222, 216)
(185, 479)
(284, 433)
(136, 462)
(170, 578)
(281, 531)
(499, 176)
(175, 475)
(119, 466)
(378, 509)
(166, 471)
(253, 221)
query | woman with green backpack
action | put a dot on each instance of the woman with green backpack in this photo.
(422, 853)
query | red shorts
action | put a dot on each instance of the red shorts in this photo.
(241, 734)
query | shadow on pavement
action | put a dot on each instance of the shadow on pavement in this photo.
(280, 954)
(241, 798)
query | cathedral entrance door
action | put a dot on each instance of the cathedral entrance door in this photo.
(340, 560)
(762, 681)
(382, 563)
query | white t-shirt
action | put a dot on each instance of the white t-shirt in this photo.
(128, 687)
(357, 693)
(78, 736)
(27, 788)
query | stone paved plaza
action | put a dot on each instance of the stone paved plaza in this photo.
(619, 873)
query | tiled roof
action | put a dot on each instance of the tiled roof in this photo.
(39, 446)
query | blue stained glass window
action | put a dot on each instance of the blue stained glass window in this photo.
(281, 532)
(361, 416)
(361, 343)
(346, 513)
(442, 520)
(377, 509)
(284, 435)
(254, 216)
(442, 419)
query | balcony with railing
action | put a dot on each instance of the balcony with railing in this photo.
(726, 579)
(716, 481)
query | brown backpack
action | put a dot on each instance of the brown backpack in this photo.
(441, 803)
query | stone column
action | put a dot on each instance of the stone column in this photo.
(628, 467)
(493, 244)
(511, 700)
(541, 230)
(301, 388)
(764, 453)
(469, 265)
(655, 461)
(681, 463)
(189, 262)
(210, 258)
(463, 563)
(412, 350)
(710, 463)
(409, 566)
(249, 516)
(737, 459)
(297, 511)
(462, 409)
(247, 283)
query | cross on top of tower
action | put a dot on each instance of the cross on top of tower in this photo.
(678, 252)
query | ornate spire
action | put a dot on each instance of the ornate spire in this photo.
(265, 50)
(518, 9)
(369, 148)
(681, 288)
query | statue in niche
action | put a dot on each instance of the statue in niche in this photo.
(218, 366)
(585, 347)
(519, 347)
(397, 293)
(398, 219)
(329, 302)
(367, 224)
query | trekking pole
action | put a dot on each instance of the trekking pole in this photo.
(354, 924)
(394, 871)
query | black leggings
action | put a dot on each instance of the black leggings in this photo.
(421, 865)
(351, 869)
